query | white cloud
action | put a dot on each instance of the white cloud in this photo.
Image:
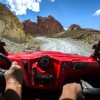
(20, 6)
(52, 0)
(97, 13)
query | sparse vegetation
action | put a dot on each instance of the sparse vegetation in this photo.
(51, 35)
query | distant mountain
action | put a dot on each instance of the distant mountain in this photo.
(77, 27)
(10, 26)
(74, 27)
(89, 36)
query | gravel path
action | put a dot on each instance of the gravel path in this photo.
(66, 46)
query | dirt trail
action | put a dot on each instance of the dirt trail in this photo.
(54, 44)
(66, 46)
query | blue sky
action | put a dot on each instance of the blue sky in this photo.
(85, 13)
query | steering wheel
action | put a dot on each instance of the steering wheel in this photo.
(4, 60)
(89, 91)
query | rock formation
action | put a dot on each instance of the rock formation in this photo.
(30, 27)
(77, 27)
(44, 25)
(48, 25)
(74, 27)
(10, 26)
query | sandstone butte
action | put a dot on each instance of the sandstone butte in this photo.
(43, 26)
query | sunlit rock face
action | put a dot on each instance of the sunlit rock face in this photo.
(44, 25)
(10, 26)
(49, 25)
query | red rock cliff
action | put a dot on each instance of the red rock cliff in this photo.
(44, 25)
(30, 27)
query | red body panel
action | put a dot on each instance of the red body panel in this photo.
(63, 66)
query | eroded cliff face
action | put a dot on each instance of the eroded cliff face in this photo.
(10, 26)
(44, 26)
(30, 27)
(49, 25)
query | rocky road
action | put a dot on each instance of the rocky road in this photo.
(64, 45)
